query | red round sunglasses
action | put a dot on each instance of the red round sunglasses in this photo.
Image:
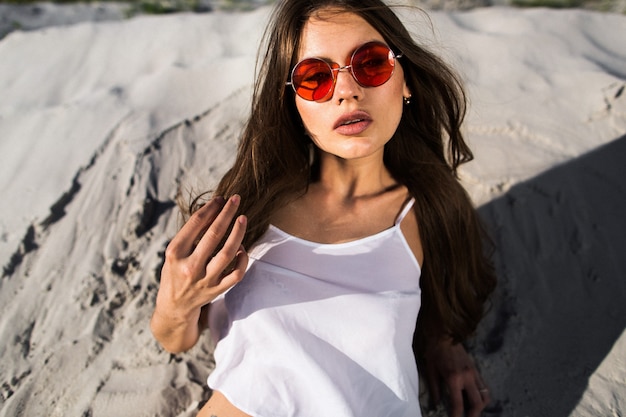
(371, 65)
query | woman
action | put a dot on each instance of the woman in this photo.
(355, 221)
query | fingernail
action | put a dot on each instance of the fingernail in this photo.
(219, 199)
(242, 220)
(235, 199)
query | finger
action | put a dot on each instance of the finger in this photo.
(486, 396)
(217, 229)
(224, 258)
(237, 274)
(483, 390)
(456, 401)
(475, 401)
(182, 244)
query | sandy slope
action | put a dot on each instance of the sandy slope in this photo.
(558, 326)
(98, 136)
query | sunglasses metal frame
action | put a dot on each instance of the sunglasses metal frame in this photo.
(335, 68)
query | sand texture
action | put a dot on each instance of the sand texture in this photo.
(103, 124)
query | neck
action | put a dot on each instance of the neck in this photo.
(349, 180)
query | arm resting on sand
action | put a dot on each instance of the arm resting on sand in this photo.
(448, 365)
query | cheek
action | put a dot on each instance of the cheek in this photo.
(401, 91)
(309, 115)
(395, 107)
(301, 107)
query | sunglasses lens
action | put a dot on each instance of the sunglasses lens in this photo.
(312, 79)
(372, 64)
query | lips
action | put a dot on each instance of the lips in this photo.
(352, 123)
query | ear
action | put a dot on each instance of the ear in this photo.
(406, 93)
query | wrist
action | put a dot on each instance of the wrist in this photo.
(435, 345)
(174, 311)
(175, 316)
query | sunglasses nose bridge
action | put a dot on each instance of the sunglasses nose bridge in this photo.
(338, 69)
(346, 68)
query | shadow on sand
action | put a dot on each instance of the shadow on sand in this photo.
(561, 302)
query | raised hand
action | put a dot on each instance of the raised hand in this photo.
(194, 274)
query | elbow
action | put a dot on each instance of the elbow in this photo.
(173, 349)
(172, 346)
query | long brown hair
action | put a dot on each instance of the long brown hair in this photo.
(273, 163)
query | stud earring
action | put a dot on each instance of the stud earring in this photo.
(407, 100)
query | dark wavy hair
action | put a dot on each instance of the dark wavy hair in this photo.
(274, 166)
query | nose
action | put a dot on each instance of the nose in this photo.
(346, 86)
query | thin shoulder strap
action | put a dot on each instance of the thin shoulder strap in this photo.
(405, 210)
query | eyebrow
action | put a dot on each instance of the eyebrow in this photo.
(330, 61)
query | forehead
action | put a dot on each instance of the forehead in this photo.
(335, 34)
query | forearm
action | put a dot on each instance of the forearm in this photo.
(176, 332)
(437, 343)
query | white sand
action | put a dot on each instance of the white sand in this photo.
(102, 123)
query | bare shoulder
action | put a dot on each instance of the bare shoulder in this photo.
(325, 217)
(410, 230)
(219, 406)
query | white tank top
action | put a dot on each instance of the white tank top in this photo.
(321, 329)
